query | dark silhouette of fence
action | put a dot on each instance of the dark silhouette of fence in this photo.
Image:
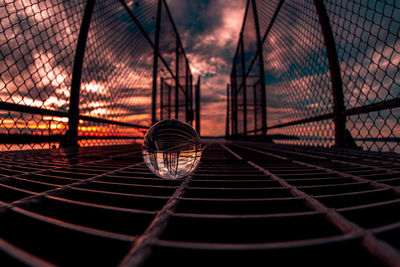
(88, 71)
(318, 73)
(106, 70)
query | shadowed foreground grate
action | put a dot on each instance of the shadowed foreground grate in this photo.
(247, 203)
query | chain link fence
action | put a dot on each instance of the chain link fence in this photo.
(175, 96)
(84, 71)
(331, 71)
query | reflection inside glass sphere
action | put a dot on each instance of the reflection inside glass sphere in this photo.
(171, 149)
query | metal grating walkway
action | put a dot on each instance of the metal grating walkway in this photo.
(247, 204)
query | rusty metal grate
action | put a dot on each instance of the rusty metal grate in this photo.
(248, 203)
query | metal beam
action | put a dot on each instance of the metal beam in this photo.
(31, 110)
(187, 92)
(47, 112)
(198, 106)
(227, 111)
(177, 79)
(234, 102)
(388, 104)
(339, 116)
(155, 64)
(278, 8)
(93, 119)
(71, 136)
(161, 98)
(261, 70)
(244, 86)
(142, 30)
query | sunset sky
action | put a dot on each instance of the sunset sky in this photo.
(114, 75)
(209, 30)
(38, 44)
(295, 84)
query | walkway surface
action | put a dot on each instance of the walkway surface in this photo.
(247, 204)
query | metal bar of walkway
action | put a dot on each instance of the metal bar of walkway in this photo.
(247, 203)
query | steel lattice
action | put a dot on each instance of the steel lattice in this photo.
(71, 73)
(38, 40)
(304, 43)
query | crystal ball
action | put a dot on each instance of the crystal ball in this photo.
(171, 149)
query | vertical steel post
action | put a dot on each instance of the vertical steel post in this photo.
(177, 79)
(255, 108)
(70, 138)
(198, 106)
(191, 99)
(234, 103)
(161, 98)
(155, 64)
(244, 84)
(186, 91)
(232, 107)
(169, 101)
(339, 116)
(227, 111)
(262, 77)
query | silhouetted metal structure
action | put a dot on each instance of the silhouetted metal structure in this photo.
(328, 69)
(198, 105)
(87, 72)
(175, 77)
(248, 203)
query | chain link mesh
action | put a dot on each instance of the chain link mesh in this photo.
(117, 76)
(299, 94)
(297, 73)
(167, 98)
(38, 43)
(367, 37)
(175, 97)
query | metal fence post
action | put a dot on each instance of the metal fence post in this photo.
(255, 109)
(227, 111)
(262, 77)
(244, 84)
(161, 98)
(169, 100)
(155, 64)
(339, 116)
(198, 106)
(70, 138)
(191, 99)
(234, 102)
(186, 92)
(232, 107)
(177, 79)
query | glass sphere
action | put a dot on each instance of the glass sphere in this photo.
(171, 149)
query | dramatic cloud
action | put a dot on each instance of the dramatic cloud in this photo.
(38, 42)
(209, 31)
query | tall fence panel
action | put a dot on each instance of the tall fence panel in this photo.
(37, 49)
(367, 36)
(116, 81)
(83, 72)
(330, 69)
(175, 81)
(247, 80)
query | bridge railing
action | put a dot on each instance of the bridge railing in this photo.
(327, 70)
(85, 72)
